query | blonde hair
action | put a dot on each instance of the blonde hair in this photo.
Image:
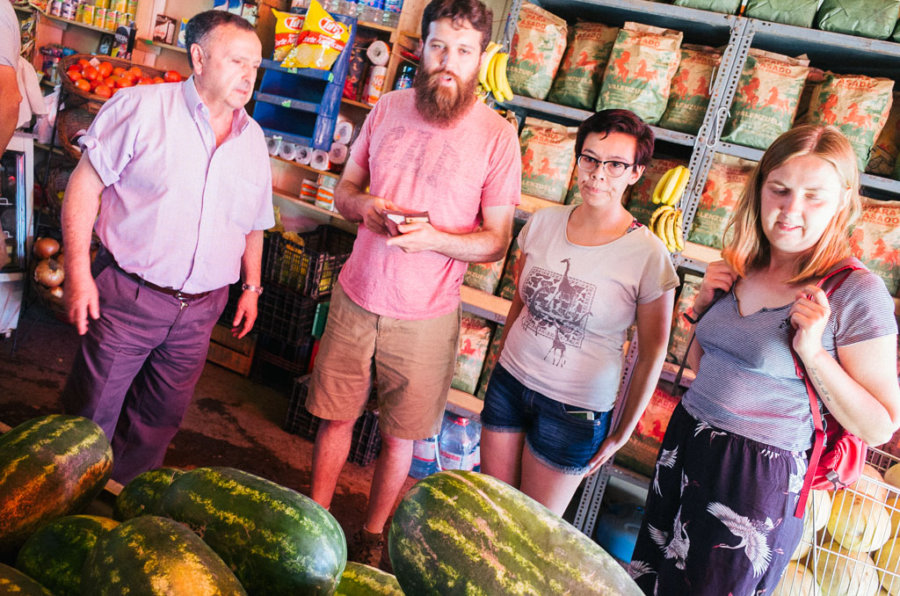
(748, 248)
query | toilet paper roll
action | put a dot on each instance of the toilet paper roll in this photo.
(288, 151)
(378, 53)
(304, 154)
(338, 153)
(273, 144)
(343, 132)
(319, 160)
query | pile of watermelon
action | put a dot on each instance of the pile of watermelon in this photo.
(212, 531)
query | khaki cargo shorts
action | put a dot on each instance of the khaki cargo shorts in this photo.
(412, 362)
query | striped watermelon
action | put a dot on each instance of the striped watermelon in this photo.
(460, 532)
(141, 495)
(49, 467)
(276, 540)
(13, 581)
(365, 580)
(55, 554)
(151, 555)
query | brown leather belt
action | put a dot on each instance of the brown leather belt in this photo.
(169, 291)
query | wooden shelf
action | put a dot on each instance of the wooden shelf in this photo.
(307, 205)
(304, 167)
(55, 150)
(23, 9)
(376, 26)
(64, 23)
(358, 104)
(160, 45)
(466, 404)
(482, 304)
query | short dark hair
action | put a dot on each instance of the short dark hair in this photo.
(202, 24)
(624, 121)
(459, 12)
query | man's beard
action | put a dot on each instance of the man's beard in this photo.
(439, 104)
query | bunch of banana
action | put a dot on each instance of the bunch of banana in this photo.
(666, 223)
(671, 186)
(492, 74)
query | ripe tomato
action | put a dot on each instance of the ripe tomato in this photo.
(74, 75)
(83, 84)
(157, 80)
(111, 81)
(172, 76)
(118, 70)
(82, 62)
(90, 73)
(145, 81)
(105, 69)
(124, 82)
(103, 90)
(136, 73)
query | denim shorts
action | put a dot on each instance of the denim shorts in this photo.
(557, 437)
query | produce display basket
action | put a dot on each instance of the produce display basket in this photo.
(850, 543)
(92, 102)
(69, 126)
(366, 441)
(310, 266)
(285, 314)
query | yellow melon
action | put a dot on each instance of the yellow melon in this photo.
(797, 581)
(809, 536)
(821, 501)
(840, 572)
(870, 484)
(892, 475)
(888, 561)
(892, 505)
(858, 524)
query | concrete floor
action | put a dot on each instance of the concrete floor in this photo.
(232, 420)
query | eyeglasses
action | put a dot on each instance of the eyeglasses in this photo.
(613, 168)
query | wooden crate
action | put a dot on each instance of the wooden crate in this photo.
(230, 352)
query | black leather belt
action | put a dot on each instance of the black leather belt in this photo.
(169, 291)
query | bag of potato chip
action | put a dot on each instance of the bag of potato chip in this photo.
(766, 99)
(640, 71)
(799, 13)
(725, 6)
(548, 158)
(321, 41)
(875, 240)
(578, 80)
(474, 338)
(867, 18)
(536, 51)
(484, 276)
(813, 79)
(287, 32)
(857, 105)
(726, 181)
(887, 146)
(690, 92)
(681, 329)
(490, 361)
(640, 201)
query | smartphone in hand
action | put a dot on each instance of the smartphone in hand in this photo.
(393, 218)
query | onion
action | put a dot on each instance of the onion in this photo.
(44, 248)
(57, 292)
(48, 273)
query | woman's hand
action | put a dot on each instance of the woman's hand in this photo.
(809, 315)
(607, 450)
(719, 276)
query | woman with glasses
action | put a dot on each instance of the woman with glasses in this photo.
(587, 273)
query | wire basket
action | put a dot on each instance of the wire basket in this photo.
(850, 544)
(311, 266)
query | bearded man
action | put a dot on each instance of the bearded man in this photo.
(394, 316)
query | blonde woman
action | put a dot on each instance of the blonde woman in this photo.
(720, 513)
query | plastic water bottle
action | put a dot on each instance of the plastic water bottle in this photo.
(458, 445)
(424, 460)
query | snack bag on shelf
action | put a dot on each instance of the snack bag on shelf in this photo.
(490, 361)
(474, 338)
(548, 158)
(857, 105)
(726, 181)
(691, 85)
(639, 73)
(573, 197)
(536, 51)
(866, 18)
(578, 80)
(887, 146)
(287, 32)
(640, 199)
(484, 276)
(724, 6)
(639, 452)
(507, 287)
(766, 100)
(681, 329)
(799, 13)
(321, 41)
(875, 240)
(813, 78)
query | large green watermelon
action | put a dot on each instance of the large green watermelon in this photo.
(156, 556)
(460, 532)
(365, 580)
(49, 467)
(55, 554)
(276, 540)
(13, 581)
(141, 495)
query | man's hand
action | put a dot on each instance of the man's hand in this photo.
(417, 237)
(82, 300)
(245, 316)
(373, 215)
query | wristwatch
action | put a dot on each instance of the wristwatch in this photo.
(257, 289)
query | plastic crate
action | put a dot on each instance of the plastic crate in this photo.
(366, 441)
(277, 363)
(870, 510)
(311, 267)
(286, 315)
(234, 294)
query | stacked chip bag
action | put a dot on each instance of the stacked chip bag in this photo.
(766, 100)
(484, 276)
(726, 181)
(875, 240)
(884, 153)
(691, 85)
(507, 286)
(640, 200)
(287, 32)
(321, 40)
(578, 80)
(573, 197)
(474, 338)
(640, 70)
(799, 13)
(868, 18)
(548, 158)
(681, 329)
(536, 51)
(857, 105)
(490, 361)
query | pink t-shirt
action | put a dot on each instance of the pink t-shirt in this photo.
(452, 173)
